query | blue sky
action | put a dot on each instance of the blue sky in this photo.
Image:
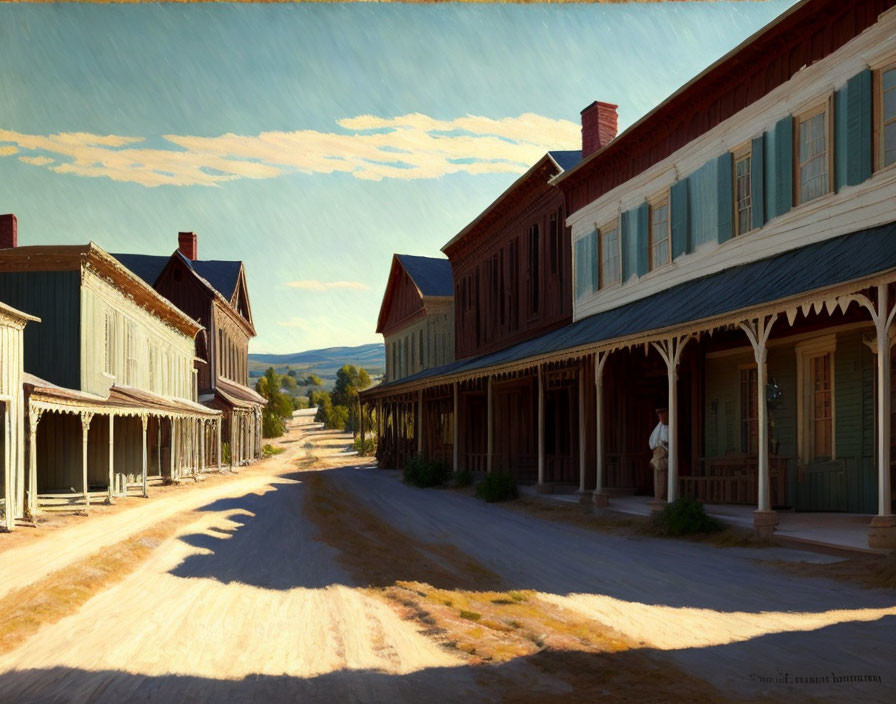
(312, 141)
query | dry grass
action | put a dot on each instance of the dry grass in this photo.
(59, 594)
(526, 647)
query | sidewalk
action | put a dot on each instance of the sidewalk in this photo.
(840, 531)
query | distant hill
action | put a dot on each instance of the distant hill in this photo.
(323, 362)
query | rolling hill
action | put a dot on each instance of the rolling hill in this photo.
(324, 362)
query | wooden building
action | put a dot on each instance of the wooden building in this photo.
(213, 293)
(12, 413)
(734, 258)
(110, 378)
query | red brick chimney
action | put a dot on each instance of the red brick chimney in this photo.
(599, 124)
(187, 244)
(9, 235)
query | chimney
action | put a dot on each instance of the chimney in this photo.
(9, 236)
(186, 243)
(598, 126)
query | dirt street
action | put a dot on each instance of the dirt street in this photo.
(335, 582)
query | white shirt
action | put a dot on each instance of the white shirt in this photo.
(659, 436)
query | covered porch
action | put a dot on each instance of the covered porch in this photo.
(241, 419)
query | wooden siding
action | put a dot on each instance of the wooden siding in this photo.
(12, 445)
(405, 304)
(52, 347)
(424, 344)
(803, 38)
(508, 287)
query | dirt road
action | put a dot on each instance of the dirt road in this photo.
(262, 595)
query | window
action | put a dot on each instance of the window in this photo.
(821, 409)
(743, 205)
(659, 234)
(609, 256)
(887, 116)
(110, 342)
(813, 160)
(749, 411)
(534, 267)
(816, 408)
(131, 368)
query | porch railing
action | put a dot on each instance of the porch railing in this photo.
(733, 479)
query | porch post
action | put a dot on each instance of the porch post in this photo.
(143, 421)
(420, 422)
(111, 458)
(670, 350)
(8, 470)
(490, 426)
(361, 423)
(172, 461)
(86, 417)
(218, 439)
(34, 415)
(540, 428)
(582, 428)
(757, 330)
(202, 444)
(600, 496)
(455, 433)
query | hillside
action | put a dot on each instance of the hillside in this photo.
(324, 362)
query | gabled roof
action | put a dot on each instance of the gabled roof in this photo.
(779, 278)
(566, 160)
(222, 275)
(432, 275)
(146, 266)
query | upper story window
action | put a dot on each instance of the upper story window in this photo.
(887, 116)
(534, 267)
(813, 163)
(743, 182)
(610, 258)
(659, 234)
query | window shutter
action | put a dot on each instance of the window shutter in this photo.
(679, 220)
(757, 180)
(626, 248)
(784, 165)
(594, 256)
(858, 128)
(725, 199)
(771, 177)
(641, 215)
(841, 148)
(581, 263)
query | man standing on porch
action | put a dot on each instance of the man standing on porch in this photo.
(659, 443)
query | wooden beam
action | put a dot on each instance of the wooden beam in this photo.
(143, 421)
(111, 458)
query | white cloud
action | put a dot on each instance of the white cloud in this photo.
(36, 160)
(312, 285)
(411, 146)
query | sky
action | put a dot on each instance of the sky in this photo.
(313, 141)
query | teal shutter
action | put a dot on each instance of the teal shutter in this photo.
(594, 255)
(757, 181)
(642, 214)
(784, 165)
(627, 248)
(858, 128)
(725, 196)
(679, 220)
(581, 262)
(771, 177)
(841, 150)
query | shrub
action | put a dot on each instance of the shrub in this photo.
(497, 486)
(462, 477)
(368, 447)
(337, 419)
(419, 471)
(269, 450)
(684, 516)
(272, 425)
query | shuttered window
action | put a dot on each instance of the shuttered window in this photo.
(821, 407)
(749, 411)
(813, 154)
(888, 116)
(659, 234)
(610, 270)
(743, 191)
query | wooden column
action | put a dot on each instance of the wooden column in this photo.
(172, 460)
(111, 458)
(361, 423)
(582, 428)
(201, 444)
(218, 439)
(600, 496)
(86, 417)
(420, 422)
(455, 433)
(144, 420)
(8, 469)
(540, 426)
(670, 350)
(757, 330)
(490, 425)
(34, 415)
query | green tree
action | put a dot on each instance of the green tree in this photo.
(288, 383)
(349, 381)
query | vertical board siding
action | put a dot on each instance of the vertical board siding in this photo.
(725, 196)
(757, 181)
(52, 347)
(679, 215)
(841, 149)
(59, 453)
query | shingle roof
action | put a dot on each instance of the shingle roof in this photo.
(146, 266)
(567, 159)
(222, 275)
(431, 275)
(813, 267)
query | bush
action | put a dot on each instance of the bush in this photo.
(368, 447)
(684, 516)
(337, 418)
(225, 453)
(269, 450)
(419, 471)
(462, 477)
(272, 425)
(497, 486)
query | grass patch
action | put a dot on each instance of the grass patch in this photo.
(61, 593)
(462, 478)
(684, 516)
(270, 450)
(425, 473)
(497, 486)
